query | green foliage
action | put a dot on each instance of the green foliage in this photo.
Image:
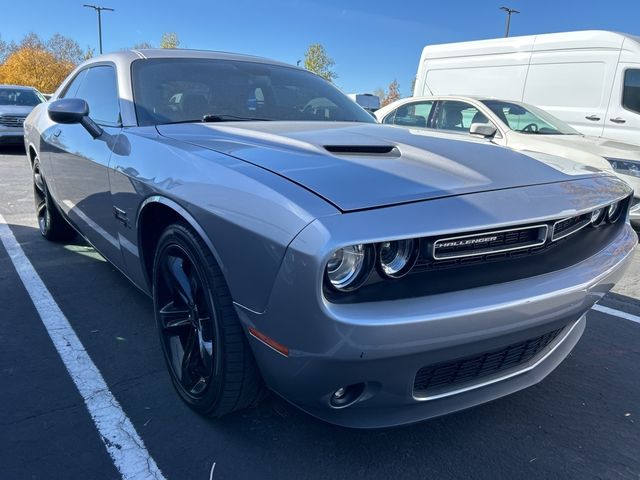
(169, 40)
(317, 61)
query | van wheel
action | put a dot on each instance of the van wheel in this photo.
(206, 351)
(51, 223)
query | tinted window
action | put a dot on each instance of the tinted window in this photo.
(631, 94)
(71, 89)
(457, 116)
(99, 89)
(19, 96)
(411, 115)
(185, 90)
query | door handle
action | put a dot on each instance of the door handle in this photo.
(618, 120)
(593, 118)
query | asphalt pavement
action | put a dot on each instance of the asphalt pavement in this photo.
(582, 421)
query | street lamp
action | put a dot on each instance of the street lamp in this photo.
(509, 12)
(99, 10)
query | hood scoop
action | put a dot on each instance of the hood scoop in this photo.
(381, 150)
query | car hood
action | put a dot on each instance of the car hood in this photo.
(358, 166)
(21, 110)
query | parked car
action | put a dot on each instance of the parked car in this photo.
(519, 126)
(370, 275)
(15, 104)
(589, 79)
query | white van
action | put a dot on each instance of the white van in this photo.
(589, 79)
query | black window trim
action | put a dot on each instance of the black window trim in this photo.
(624, 76)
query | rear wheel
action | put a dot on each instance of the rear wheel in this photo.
(206, 351)
(51, 223)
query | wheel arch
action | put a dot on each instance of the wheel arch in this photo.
(155, 214)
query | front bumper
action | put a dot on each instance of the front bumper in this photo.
(384, 344)
(11, 135)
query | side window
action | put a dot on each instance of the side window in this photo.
(631, 92)
(411, 115)
(455, 116)
(100, 90)
(72, 88)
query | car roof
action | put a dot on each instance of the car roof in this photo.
(128, 56)
(17, 87)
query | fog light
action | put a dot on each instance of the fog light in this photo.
(345, 396)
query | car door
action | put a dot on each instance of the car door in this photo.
(623, 116)
(80, 162)
(414, 114)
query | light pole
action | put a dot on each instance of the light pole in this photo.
(99, 10)
(509, 12)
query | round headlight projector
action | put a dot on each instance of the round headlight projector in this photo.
(614, 211)
(348, 267)
(597, 216)
(396, 258)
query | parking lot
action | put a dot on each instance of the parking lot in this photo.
(582, 421)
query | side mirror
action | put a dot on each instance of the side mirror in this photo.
(69, 111)
(486, 130)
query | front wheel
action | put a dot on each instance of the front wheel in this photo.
(51, 223)
(206, 351)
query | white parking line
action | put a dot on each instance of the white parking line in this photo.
(616, 313)
(120, 438)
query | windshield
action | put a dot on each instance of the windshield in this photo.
(528, 119)
(20, 96)
(190, 90)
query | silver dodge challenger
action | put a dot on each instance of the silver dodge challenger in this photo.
(370, 276)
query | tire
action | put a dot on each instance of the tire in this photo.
(51, 223)
(205, 348)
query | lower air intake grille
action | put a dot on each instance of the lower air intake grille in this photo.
(435, 379)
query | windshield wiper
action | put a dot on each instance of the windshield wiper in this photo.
(223, 117)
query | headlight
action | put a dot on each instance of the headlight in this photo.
(613, 211)
(625, 167)
(597, 216)
(349, 267)
(396, 258)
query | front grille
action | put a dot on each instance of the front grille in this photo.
(436, 379)
(12, 120)
(489, 242)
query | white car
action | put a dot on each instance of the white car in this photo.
(16, 102)
(521, 127)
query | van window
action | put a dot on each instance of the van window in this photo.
(566, 84)
(631, 93)
(410, 115)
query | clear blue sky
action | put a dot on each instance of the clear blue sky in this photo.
(371, 41)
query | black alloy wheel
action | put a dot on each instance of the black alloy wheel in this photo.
(51, 223)
(204, 346)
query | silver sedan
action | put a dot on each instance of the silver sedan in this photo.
(369, 275)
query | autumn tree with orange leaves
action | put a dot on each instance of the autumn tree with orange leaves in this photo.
(39, 64)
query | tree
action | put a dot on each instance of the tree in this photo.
(317, 61)
(144, 45)
(4, 50)
(169, 40)
(65, 49)
(35, 67)
(391, 95)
